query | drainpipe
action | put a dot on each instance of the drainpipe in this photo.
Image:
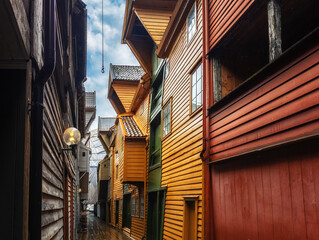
(208, 223)
(37, 119)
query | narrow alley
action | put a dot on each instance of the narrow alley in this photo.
(98, 229)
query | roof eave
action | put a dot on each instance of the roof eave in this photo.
(173, 28)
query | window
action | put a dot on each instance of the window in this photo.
(167, 118)
(142, 108)
(133, 206)
(117, 165)
(142, 207)
(83, 154)
(197, 88)
(137, 207)
(191, 24)
(117, 171)
(117, 158)
(166, 69)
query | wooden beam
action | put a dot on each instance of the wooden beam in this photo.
(217, 79)
(274, 29)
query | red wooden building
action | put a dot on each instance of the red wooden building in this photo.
(261, 99)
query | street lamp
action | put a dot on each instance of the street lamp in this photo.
(71, 137)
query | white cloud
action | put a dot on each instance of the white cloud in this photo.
(114, 51)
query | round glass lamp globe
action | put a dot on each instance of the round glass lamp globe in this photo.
(71, 136)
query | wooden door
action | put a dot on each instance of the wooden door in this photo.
(127, 210)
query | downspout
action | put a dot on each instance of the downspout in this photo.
(208, 223)
(37, 119)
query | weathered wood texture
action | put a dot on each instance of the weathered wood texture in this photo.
(125, 92)
(181, 163)
(223, 15)
(281, 107)
(134, 161)
(273, 195)
(274, 29)
(52, 176)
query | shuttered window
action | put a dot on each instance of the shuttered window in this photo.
(191, 24)
(197, 88)
(167, 118)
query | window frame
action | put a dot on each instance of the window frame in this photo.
(197, 109)
(190, 38)
(169, 101)
(142, 216)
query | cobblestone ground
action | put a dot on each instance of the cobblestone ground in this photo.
(97, 229)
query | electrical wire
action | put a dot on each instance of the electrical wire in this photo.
(102, 70)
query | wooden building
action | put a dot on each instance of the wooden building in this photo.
(171, 35)
(42, 68)
(262, 121)
(129, 95)
(106, 134)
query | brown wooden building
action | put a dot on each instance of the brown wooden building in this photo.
(129, 95)
(42, 68)
(262, 121)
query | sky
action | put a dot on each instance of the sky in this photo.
(114, 52)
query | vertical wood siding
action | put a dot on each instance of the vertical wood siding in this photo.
(223, 14)
(181, 163)
(274, 195)
(283, 107)
(52, 176)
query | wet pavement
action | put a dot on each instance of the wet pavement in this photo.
(97, 229)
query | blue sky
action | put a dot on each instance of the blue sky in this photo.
(114, 51)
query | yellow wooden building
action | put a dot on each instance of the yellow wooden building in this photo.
(129, 95)
(166, 38)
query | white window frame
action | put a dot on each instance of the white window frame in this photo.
(191, 29)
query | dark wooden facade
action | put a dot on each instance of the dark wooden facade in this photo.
(261, 133)
(44, 71)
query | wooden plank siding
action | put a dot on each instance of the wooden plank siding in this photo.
(125, 92)
(142, 116)
(282, 107)
(134, 160)
(273, 195)
(181, 163)
(223, 15)
(53, 169)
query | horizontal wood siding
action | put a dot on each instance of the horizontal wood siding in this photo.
(181, 163)
(283, 107)
(134, 161)
(52, 174)
(125, 92)
(223, 14)
(273, 195)
(142, 116)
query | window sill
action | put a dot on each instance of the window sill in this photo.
(192, 114)
(166, 136)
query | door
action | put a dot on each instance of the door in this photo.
(127, 210)
(155, 218)
(117, 211)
